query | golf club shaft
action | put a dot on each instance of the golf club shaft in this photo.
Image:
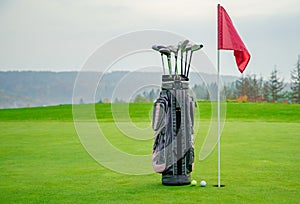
(163, 64)
(170, 66)
(188, 70)
(176, 68)
(181, 63)
(186, 56)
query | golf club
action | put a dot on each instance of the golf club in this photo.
(179, 46)
(175, 51)
(167, 52)
(156, 48)
(193, 49)
(182, 49)
(187, 49)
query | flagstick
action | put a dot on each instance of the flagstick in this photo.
(219, 125)
(219, 128)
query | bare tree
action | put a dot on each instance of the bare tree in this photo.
(251, 87)
(243, 86)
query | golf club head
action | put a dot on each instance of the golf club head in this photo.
(179, 46)
(165, 51)
(182, 50)
(188, 47)
(196, 47)
(173, 49)
(193, 48)
(157, 47)
(184, 44)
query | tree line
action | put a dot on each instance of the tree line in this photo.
(248, 88)
(256, 89)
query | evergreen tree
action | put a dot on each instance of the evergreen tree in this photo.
(243, 86)
(231, 91)
(274, 86)
(201, 91)
(152, 96)
(265, 92)
(295, 82)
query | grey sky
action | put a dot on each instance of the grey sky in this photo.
(61, 35)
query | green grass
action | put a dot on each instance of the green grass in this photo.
(43, 161)
(235, 111)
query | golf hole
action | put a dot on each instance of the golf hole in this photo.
(222, 185)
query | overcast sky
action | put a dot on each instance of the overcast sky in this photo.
(60, 35)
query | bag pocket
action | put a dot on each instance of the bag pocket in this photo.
(158, 153)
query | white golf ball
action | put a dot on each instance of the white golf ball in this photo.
(203, 183)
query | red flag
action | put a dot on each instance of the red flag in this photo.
(229, 39)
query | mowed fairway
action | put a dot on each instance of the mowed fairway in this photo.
(43, 161)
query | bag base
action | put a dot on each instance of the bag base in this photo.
(176, 180)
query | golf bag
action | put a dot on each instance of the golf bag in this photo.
(173, 120)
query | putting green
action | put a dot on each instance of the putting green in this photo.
(42, 159)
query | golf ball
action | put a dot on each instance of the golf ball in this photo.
(194, 183)
(203, 183)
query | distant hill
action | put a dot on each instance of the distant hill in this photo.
(41, 88)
